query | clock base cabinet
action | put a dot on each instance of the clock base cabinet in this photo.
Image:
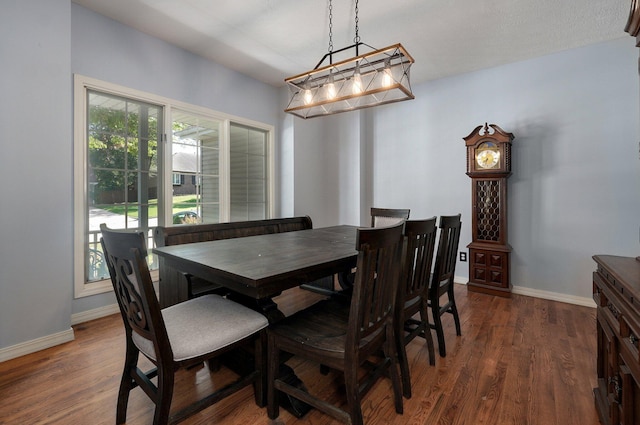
(616, 291)
(489, 270)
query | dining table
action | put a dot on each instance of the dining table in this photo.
(257, 268)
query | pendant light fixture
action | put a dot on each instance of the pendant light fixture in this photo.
(365, 80)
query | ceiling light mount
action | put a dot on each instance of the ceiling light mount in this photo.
(365, 80)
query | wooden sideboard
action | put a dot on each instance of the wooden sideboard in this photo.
(616, 291)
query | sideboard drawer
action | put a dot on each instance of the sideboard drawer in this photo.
(629, 342)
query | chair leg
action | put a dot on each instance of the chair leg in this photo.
(454, 311)
(426, 333)
(437, 321)
(273, 355)
(353, 395)
(165, 395)
(126, 382)
(392, 355)
(260, 357)
(404, 362)
(456, 319)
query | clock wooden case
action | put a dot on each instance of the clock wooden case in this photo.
(489, 166)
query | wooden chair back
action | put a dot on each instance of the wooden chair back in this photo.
(445, 264)
(412, 292)
(126, 253)
(421, 242)
(378, 273)
(381, 217)
(442, 278)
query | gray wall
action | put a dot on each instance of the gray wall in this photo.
(575, 188)
(107, 50)
(327, 169)
(36, 217)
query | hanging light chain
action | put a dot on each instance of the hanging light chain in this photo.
(330, 26)
(356, 39)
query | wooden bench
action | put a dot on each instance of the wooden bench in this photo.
(179, 287)
(177, 235)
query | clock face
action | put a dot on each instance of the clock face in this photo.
(487, 155)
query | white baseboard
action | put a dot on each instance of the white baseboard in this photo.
(96, 313)
(554, 296)
(37, 344)
(49, 341)
(461, 280)
(545, 295)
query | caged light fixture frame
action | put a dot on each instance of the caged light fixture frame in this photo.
(365, 80)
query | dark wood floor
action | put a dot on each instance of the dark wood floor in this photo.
(521, 361)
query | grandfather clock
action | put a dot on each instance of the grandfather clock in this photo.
(489, 166)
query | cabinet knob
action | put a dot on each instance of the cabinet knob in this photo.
(616, 390)
(613, 310)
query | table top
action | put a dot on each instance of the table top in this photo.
(264, 265)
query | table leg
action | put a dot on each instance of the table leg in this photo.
(173, 285)
(266, 306)
(236, 362)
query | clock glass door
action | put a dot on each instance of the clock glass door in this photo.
(487, 210)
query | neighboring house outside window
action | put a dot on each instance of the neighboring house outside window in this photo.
(177, 179)
(121, 148)
(184, 172)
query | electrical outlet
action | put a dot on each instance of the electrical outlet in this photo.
(463, 256)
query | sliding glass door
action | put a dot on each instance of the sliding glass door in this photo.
(195, 168)
(142, 160)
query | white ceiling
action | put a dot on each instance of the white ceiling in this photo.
(273, 39)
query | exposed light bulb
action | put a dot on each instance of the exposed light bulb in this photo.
(331, 88)
(331, 91)
(387, 77)
(357, 81)
(307, 96)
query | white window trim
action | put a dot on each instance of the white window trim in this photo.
(81, 85)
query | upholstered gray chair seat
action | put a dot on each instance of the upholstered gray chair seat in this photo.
(189, 326)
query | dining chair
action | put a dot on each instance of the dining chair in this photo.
(381, 217)
(412, 293)
(176, 337)
(345, 337)
(442, 278)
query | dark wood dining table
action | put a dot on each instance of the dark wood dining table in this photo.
(257, 268)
